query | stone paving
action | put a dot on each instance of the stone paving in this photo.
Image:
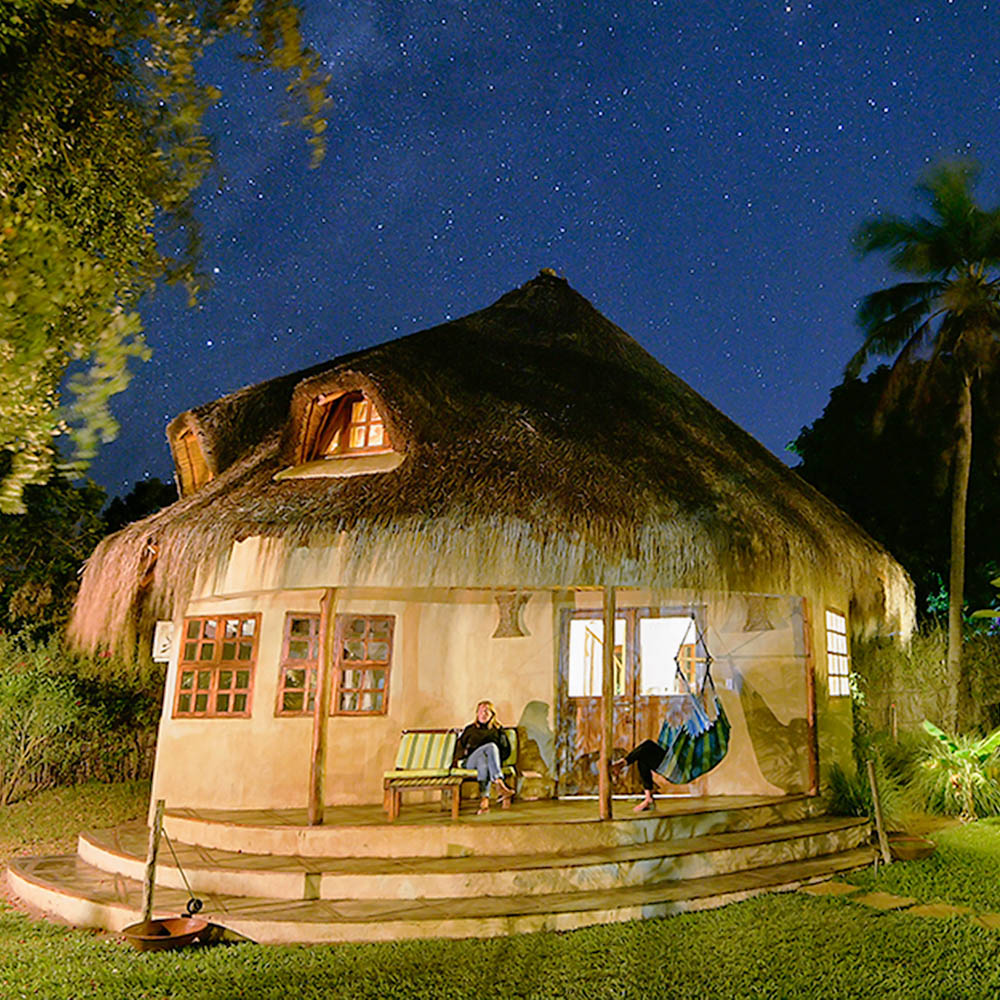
(903, 904)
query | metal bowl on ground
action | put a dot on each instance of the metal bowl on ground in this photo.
(164, 935)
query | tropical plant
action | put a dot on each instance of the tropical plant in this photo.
(950, 311)
(958, 774)
(102, 147)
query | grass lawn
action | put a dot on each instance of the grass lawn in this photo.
(787, 946)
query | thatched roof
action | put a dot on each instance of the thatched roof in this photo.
(543, 447)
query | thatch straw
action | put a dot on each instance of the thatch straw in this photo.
(544, 447)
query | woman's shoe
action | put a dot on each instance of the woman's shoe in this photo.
(504, 793)
(484, 805)
(647, 803)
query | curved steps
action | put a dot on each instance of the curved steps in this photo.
(544, 866)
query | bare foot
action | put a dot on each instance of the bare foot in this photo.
(646, 804)
(617, 767)
(484, 805)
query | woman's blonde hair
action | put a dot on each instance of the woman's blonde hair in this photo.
(493, 712)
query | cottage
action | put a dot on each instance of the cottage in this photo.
(434, 520)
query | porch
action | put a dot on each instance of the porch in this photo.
(546, 865)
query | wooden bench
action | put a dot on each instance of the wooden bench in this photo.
(423, 762)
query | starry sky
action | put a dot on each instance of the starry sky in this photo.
(694, 168)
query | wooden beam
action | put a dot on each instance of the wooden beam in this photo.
(812, 744)
(607, 706)
(152, 849)
(321, 708)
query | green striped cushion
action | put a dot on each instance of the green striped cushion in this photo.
(425, 751)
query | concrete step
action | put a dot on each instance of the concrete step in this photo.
(424, 830)
(86, 896)
(121, 851)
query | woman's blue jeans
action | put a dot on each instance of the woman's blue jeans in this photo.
(486, 761)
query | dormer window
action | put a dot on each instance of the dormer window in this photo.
(192, 467)
(343, 434)
(351, 425)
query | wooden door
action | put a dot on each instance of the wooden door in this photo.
(650, 644)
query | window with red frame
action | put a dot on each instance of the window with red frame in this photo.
(351, 425)
(361, 680)
(216, 668)
(299, 660)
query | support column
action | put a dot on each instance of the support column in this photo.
(607, 706)
(321, 709)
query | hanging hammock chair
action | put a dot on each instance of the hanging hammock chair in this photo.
(699, 742)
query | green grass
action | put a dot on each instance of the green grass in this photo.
(963, 870)
(779, 946)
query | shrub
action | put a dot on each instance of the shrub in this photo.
(958, 774)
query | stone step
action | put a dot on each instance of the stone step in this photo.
(122, 851)
(70, 888)
(424, 830)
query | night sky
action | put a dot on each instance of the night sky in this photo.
(694, 169)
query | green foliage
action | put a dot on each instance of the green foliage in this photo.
(36, 707)
(101, 150)
(41, 552)
(959, 774)
(962, 870)
(65, 719)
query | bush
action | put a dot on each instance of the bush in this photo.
(850, 793)
(958, 775)
(65, 719)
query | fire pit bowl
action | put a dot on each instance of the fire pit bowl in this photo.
(910, 847)
(164, 935)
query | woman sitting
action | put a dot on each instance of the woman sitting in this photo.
(482, 745)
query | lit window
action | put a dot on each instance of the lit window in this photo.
(666, 646)
(191, 463)
(364, 648)
(586, 657)
(215, 673)
(299, 660)
(351, 425)
(837, 665)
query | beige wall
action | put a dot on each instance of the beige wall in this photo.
(444, 660)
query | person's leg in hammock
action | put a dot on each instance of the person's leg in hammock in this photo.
(647, 756)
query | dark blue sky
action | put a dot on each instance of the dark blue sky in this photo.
(695, 169)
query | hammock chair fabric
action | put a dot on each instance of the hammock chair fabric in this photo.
(701, 741)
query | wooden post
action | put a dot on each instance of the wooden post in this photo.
(152, 850)
(812, 744)
(321, 708)
(607, 706)
(883, 840)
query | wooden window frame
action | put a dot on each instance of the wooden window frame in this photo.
(195, 471)
(335, 420)
(310, 665)
(343, 665)
(213, 667)
(838, 662)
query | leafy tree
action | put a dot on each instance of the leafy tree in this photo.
(950, 310)
(101, 149)
(41, 552)
(146, 497)
(890, 473)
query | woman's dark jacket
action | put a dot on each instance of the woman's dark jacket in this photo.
(475, 735)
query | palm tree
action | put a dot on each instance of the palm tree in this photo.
(949, 316)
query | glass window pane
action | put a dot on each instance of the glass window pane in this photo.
(232, 628)
(357, 439)
(209, 631)
(291, 701)
(225, 679)
(380, 628)
(586, 645)
(359, 411)
(375, 435)
(379, 676)
(246, 650)
(193, 629)
(379, 701)
(190, 650)
(378, 651)
(300, 626)
(184, 703)
(354, 649)
(357, 626)
(200, 702)
(239, 702)
(248, 626)
(207, 651)
(204, 680)
(298, 649)
(660, 642)
(222, 703)
(187, 679)
(295, 678)
(243, 678)
(229, 651)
